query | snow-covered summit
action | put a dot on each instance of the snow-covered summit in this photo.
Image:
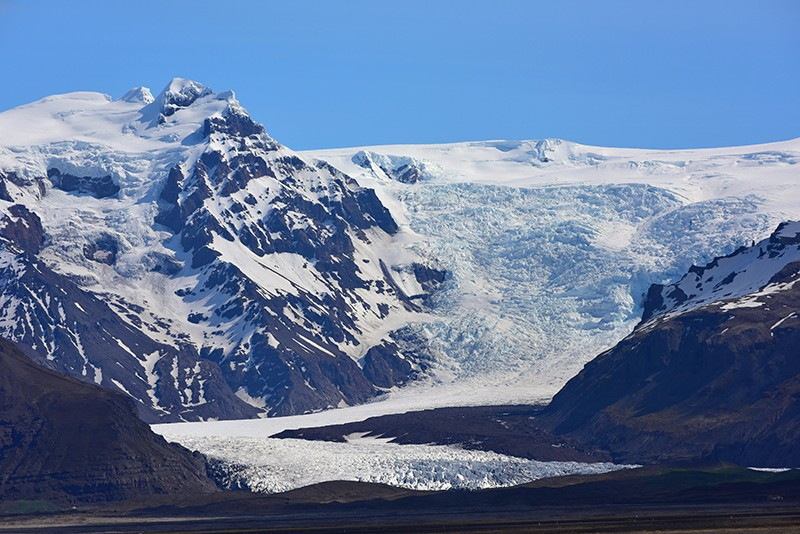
(134, 122)
(138, 94)
(221, 247)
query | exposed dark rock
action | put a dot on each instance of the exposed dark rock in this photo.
(23, 228)
(397, 361)
(233, 123)
(408, 174)
(4, 194)
(429, 278)
(385, 367)
(66, 441)
(196, 318)
(169, 213)
(368, 201)
(203, 257)
(98, 187)
(104, 249)
(172, 186)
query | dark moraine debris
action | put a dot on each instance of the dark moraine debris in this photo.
(512, 430)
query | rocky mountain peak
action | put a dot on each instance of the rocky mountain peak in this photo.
(180, 93)
(233, 276)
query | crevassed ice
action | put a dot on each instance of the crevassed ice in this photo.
(269, 465)
(544, 278)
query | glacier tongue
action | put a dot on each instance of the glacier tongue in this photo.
(267, 465)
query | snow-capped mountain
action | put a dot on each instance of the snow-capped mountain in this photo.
(168, 247)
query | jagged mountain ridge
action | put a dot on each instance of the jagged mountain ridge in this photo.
(744, 271)
(243, 278)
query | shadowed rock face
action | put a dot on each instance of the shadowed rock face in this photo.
(102, 187)
(68, 441)
(721, 382)
(22, 227)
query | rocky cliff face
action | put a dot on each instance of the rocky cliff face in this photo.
(718, 381)
(66, 441)
(169, 248)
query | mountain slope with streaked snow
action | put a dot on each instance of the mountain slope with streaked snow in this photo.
(224, 275)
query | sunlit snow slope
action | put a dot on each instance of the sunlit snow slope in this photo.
(552, 245)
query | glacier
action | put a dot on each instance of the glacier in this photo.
(549, 248)
(553, 245)
(267, 465)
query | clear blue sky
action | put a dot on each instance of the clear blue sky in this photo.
(662, 74)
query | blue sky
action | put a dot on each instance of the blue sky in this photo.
(330, 73)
